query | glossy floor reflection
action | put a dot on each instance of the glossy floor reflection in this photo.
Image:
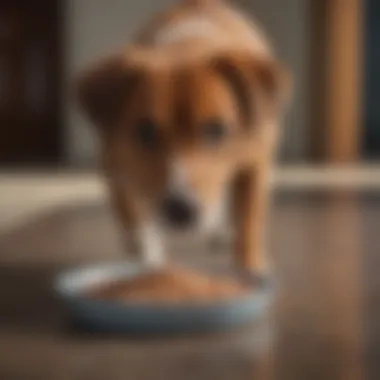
(324, 325)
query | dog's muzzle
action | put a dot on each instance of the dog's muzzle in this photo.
(180, 211)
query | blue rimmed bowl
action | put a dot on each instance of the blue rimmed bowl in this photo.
(72, 287)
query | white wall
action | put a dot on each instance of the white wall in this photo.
(98, 27)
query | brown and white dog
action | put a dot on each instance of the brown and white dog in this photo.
(188, 113)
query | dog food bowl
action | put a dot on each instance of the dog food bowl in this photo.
(146, 318)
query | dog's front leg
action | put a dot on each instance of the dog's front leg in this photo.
(251, 203)
(140, 235)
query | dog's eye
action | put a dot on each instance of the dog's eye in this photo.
(147, 134)
(214, 132)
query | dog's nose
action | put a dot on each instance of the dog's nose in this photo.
(179, 211)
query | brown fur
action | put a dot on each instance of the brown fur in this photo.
(181, 86)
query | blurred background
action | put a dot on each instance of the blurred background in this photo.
(330, 46)
(323, 226)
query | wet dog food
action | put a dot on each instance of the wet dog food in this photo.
(170, 285)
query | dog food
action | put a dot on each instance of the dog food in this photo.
(170, 285)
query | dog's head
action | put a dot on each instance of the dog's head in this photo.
(178, 133)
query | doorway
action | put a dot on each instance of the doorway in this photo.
(30, 75)
(372, 82)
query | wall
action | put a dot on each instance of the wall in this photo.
(98, 27)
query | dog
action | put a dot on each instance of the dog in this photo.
(189, 115)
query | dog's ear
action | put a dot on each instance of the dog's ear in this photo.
(261, 86)
(102, 90)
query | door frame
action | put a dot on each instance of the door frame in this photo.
(337, 80)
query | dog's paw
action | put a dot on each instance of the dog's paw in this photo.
(262, 268)
(145, 247)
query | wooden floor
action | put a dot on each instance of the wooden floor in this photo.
(324, 324)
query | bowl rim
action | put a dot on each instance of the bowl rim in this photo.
(261, 286)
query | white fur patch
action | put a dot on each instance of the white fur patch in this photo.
(147, 243)
(178, 178)
(153, 248)
(216, 214)
(192, 27)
